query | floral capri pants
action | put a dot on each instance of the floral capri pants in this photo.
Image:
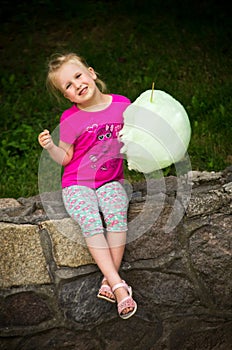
(84, 205)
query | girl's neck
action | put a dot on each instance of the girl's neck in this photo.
(99, 103)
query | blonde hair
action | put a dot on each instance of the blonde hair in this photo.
(56, 63)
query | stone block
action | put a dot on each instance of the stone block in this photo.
(24, 309)
(21, 255)
(8, 203)
(68, 245)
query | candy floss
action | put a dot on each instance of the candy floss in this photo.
(156, 132)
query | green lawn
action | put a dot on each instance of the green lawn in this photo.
(183, 46)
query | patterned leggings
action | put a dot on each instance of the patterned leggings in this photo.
(84, 205)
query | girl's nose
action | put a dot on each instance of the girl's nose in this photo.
(77, 85)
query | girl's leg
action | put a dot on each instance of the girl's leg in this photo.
(113, 202)
(82, 205)
(101, 253)
(116, 242)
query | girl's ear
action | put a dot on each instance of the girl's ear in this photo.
(92, 73)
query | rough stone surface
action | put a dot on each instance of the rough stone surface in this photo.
(178, 259)
(22, 259)
(69, 248)
(23, 309)
(8, 203)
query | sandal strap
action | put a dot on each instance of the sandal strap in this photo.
(123, 284)
(118, 285)
(127, 302)
(105, 288)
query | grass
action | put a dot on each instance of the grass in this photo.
(183, 46)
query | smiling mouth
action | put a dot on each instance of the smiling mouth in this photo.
(83, 91)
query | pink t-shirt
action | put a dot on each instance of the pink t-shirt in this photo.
(96, 158)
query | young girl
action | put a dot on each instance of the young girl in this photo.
(92, 179)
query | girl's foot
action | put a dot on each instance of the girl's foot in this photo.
(126, 305)
(105, 292)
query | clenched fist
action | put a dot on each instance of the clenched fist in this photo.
(45, 139)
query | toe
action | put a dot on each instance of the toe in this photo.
(127, 310)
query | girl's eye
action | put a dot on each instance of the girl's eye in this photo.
(78, 76)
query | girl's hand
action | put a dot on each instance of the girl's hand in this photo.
(45, 140)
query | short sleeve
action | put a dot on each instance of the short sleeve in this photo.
(68, 127)
(67, 133)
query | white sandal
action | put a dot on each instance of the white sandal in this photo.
(105, 288)
(127, 302)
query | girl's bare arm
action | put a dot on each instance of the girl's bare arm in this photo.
(61, 154)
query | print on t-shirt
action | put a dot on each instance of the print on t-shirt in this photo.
(104, 136)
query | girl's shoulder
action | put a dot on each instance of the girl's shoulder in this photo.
(69, 112)
(120, 98)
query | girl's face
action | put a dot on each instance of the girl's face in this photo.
(77, 83)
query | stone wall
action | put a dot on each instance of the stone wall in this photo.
(181, 274)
